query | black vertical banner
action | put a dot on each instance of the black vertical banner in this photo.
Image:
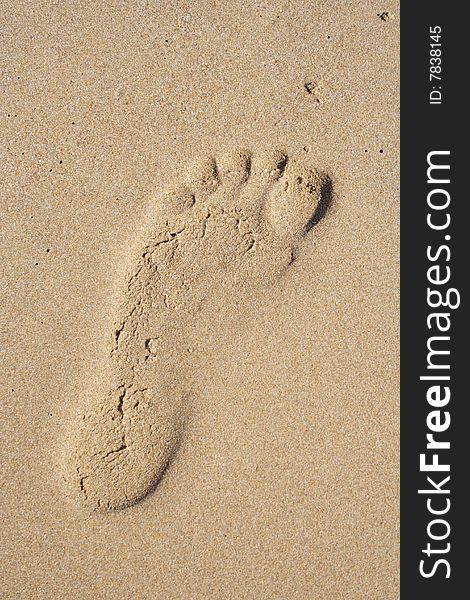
(435, 254)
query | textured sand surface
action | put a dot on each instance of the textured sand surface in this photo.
(285, 479)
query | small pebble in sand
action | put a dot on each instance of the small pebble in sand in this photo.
(312, 88)
(385, 16)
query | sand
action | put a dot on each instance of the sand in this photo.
(199, 340)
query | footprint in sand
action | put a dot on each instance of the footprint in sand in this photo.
(230, 228)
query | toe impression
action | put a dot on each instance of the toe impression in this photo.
(294, 200)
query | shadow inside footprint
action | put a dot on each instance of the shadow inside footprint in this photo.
(326, 200)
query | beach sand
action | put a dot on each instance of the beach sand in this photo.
(262, 457)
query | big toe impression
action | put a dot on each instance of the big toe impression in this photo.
(295, 200)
